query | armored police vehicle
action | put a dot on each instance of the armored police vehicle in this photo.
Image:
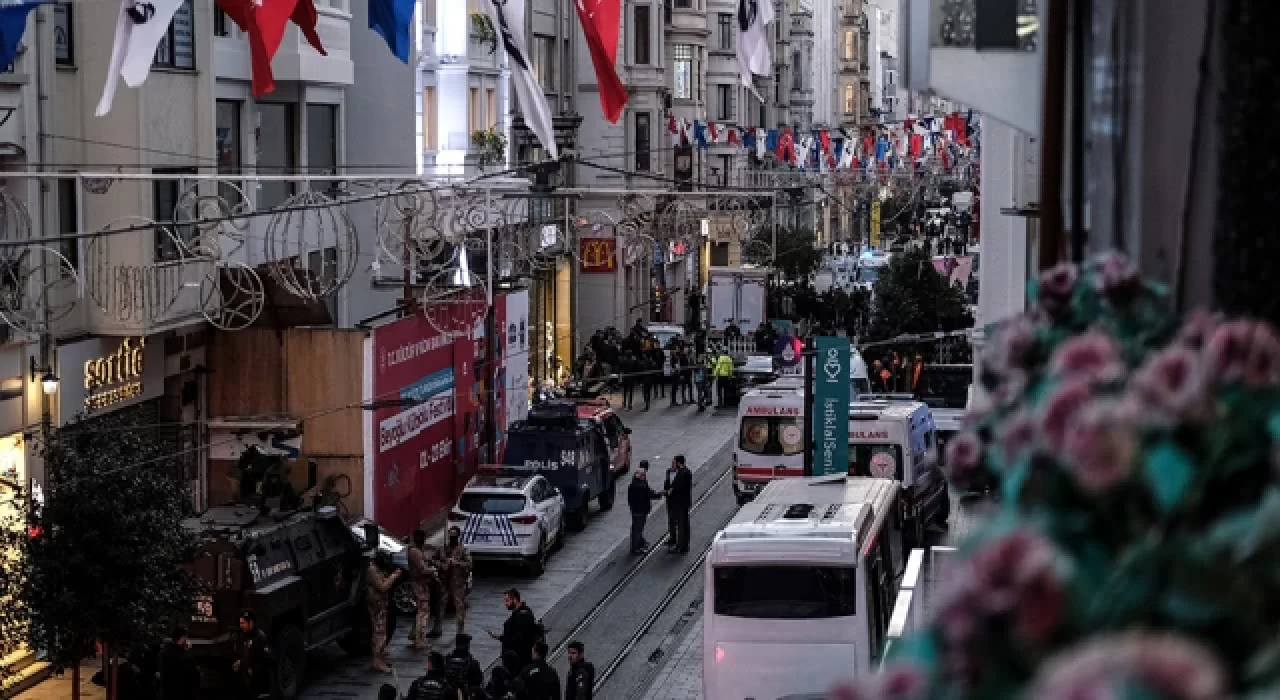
(570, 451)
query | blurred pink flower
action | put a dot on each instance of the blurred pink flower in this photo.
(1016, 436)
(1092, 356)
(1056, 286)
(1009, 347)
(1197, 328)
(1169, 387)
(900, 681)
(1099, 449)
(1117, 277)
(1245, 351)
(1173, 667)
(1010, 390)
(1058, 410)
(964, 457)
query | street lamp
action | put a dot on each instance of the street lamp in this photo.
(48, 380)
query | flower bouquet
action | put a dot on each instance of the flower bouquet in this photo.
(1136, 552)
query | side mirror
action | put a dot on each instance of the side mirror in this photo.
(371, 536)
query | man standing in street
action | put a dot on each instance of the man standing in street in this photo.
(422, 572)
(581, 679)
(433, 685)
(457, 575)
(521, 629)
(461, 668)
(253, 658)
(540, 679)
(723, 373)
(679, 501)
(179, 679)
(640, 498)
(377, 594)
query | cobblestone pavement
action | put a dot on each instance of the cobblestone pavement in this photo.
(658, 435)
(681, 677)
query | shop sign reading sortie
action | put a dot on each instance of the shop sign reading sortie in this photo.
(116, 377)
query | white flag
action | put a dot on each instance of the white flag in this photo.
(508, 19)
(139, 29)
(754, 17)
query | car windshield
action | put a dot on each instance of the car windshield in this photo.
(785, 592)
(664, 337)
(491, 503)
(867, 275)
(771, 435)
(861, 385)
(882, 461)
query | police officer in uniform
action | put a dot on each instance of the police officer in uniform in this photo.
(378, 585)
(457, 575)
(422, 574)
(434, 685)
(253, 659)
(462, 670)
(581, 678)
(540, 680)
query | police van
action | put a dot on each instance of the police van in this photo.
(573, 454)
(800, 588)
(771, 438)
(893, 438)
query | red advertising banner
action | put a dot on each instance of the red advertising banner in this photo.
(598, 255)
(414, 443)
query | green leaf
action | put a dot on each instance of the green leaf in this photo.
(1189, 610)
(1169, 472)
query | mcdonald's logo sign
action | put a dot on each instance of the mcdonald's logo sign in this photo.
(599, 255)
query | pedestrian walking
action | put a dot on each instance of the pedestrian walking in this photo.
(433, 685)
(647, 373)
(541, 682)
(628, 370)
(676, 374)
(581, 678)
(640, 498)
(672, 533)
(521, 629)
(179, 679)
(457, 575)
(422, 574)
(723, 373)
(461, 668)
(679, 501)
(702, 383)
(253, 659)
(379, 578)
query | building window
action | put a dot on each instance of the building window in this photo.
(684, 3)
(63, 52)
(227, 134)
(725, 24)
(848, 44)
(642, 142)
(322, 143)
(682, 70)
(544, 61)
(277, 151)
(797, 73)
(724, 102)
(221, 25)
(67, 210)
(641, 33)
(177, 48)
(474, 116)
(491, 108)
(849, 104)
(170, 242)
(429, 116)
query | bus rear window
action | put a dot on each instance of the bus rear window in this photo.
(771, 435)
(785, 592)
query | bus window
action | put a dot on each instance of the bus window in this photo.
(771, 436)
(785, 592)
(880, 599)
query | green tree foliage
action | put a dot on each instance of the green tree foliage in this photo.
(14, 617)
(911, 297)
(106, 565)
(797, 258)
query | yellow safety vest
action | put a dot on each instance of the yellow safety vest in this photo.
(724, 366)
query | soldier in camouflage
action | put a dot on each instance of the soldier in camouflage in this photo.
(424, 576)
(457, 574)
(378, 583)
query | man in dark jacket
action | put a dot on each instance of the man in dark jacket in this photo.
(462, 669)
(521, 629)
(253, 658)
(178, 676)
(434, 685)
(540, 679)
(640, 497)
(679, 501)
(581, 679)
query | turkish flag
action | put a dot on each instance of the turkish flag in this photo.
(600, 21)
(264, 22)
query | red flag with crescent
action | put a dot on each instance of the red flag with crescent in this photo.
(600, 24)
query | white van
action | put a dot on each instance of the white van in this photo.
(897, 439)
(800, 588)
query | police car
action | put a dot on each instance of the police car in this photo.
(510, 518)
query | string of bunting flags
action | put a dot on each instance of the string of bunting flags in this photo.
(886, 145)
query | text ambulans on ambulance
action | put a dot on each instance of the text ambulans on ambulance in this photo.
(891, 439)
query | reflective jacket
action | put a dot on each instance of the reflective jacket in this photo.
(724, 367)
